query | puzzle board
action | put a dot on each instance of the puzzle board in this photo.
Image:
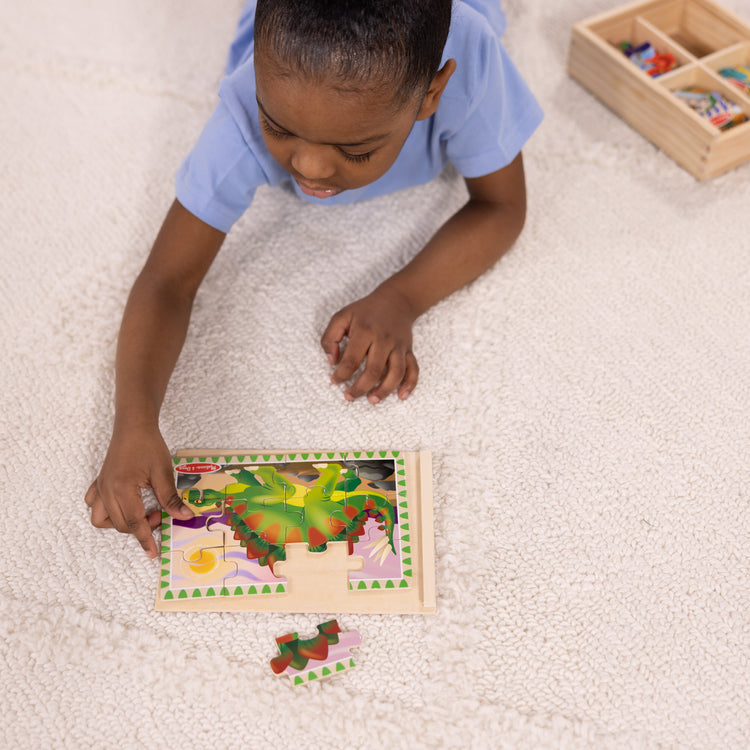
(300, 531)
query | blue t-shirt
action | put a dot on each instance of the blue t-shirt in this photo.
(485, 116)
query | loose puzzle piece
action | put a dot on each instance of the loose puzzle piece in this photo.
(326, 654)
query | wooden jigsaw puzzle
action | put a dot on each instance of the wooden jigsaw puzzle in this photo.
(300, 532)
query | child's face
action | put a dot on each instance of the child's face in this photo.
(327, 139)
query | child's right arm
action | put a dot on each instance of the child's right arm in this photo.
(153, 330)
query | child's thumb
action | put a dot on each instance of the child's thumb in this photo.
(166, 494)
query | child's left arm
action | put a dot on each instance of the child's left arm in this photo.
(379, 326)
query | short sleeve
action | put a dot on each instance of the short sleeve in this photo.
(218, 179)
(492, 11)
(501, 113)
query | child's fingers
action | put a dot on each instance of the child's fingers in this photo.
(126, 514)
(166, 494)
(141, 529)
(374, 370)
(411, 376)
(91, 495)
(334, 335)
(99, 516)
(100, 519)
(133, 521)
(393, 376)
(154, 519)
(354, 354)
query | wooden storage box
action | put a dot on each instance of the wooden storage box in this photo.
(704, 38)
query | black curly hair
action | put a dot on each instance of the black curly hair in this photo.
(358, 43)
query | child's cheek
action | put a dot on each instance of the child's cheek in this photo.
(279, 152)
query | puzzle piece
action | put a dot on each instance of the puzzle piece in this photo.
(208, 564)
(326, 654)
(376, 544)
(216, 525)
(212, 489)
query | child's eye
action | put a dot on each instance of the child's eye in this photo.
(271, 130)
(357, 157)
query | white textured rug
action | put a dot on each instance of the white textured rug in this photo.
(587, 403)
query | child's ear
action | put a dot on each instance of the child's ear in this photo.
(432, 97)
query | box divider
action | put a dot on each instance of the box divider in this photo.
(727, 52)
(664, 39)
(737, 54)
(732, 92)
(631, 9)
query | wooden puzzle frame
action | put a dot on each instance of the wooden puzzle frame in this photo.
(340, 578)
(703, 37)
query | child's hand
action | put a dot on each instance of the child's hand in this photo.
(378, 329)
(136, 459)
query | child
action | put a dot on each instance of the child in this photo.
(343, 100)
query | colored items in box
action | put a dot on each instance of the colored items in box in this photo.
(648, 59)
(738, 76)
(712, 105)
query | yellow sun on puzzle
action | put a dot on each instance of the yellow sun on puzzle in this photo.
(201, 560)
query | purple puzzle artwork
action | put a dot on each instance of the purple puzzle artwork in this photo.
(248, 508)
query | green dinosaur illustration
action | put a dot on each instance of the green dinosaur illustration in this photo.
(266, 510)
(296, 653)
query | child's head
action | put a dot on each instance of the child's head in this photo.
(359, 43)
(340, 83)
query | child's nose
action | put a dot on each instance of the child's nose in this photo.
(313, 162)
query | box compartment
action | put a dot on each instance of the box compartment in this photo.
(700, 27)
(703, 37)
(739, 54)
(637, 31)
(701, 77)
